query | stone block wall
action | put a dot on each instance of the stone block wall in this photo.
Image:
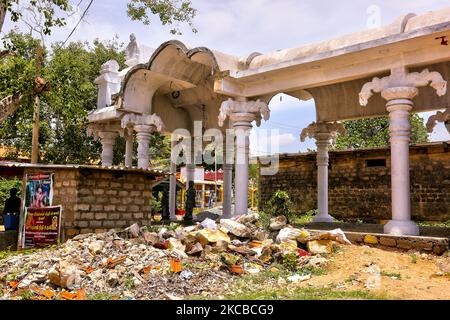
(96, 200)
(359, 183)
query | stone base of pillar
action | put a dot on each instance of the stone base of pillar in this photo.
(401, 228)
(323, 218)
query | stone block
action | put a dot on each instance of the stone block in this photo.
(116, 185)
(370, 239)
(101, 216)
(87, 215)
(388, 242)
(110, 208)
(133, 208)
(95, 224)
(82, 207)
(404, 244)
(135, 193)
(128, 186)
(114, 216)
(98, 192)
(103, 184)
(108, 224)
(97, 207)
(121, 208)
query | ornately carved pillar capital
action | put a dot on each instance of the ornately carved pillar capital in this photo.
(145, 123)
(402, 85)
(322, 132)
(439, 117)
(243, 112)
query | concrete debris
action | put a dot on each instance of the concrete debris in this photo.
(164, 262)
(298, 278)
(278, 223)
(236, 228)
(320, 246)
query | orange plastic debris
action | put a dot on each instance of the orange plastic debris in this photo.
(175, 265)
(46, 294)
(81, 294)
(111, 263)
(237, 269)
(89, 270)
(13, 284)
(147, 269)
(68, 295)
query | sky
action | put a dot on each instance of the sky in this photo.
(240, 27)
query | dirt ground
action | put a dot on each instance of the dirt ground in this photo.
(395, 275)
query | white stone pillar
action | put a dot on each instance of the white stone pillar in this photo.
(324, 133)
(144, 125)
(129, 149)
(227, 190)
(322, 142)
(242, 124)
(399, 106)
(173, 187)
(242, 113)
(108, 140)
(143, 133)
(399, 89)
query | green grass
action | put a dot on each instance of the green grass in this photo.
(100, 296)
(264, 286)
(391, 274)
(305, 294)
(8, 253)
(304, 218)
(445, 224)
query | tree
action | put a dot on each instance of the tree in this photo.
(372, 133)
(71, 72)
(46, 14)
(46, 9)
(169, 12)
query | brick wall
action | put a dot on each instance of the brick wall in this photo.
(96, 200)
(359, 183)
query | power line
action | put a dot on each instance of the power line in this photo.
(76, 26)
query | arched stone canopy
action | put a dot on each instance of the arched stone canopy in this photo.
(176, 82)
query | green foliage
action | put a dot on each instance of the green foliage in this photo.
(101, 296)
(26, 294)
(5, 186)
(396, 275)
(289, 261)
(159, 151)
(279, 205)
(46, 9)
(372, 133)
(70, 72)
(169, 12)
(305, 218)
(156, 204)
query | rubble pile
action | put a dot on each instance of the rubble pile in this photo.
(165, 262)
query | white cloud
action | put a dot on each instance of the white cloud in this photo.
(264, 142)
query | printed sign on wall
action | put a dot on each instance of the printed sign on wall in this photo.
(39, 190)
(42, 227)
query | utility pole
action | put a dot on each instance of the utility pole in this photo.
(37, 107)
